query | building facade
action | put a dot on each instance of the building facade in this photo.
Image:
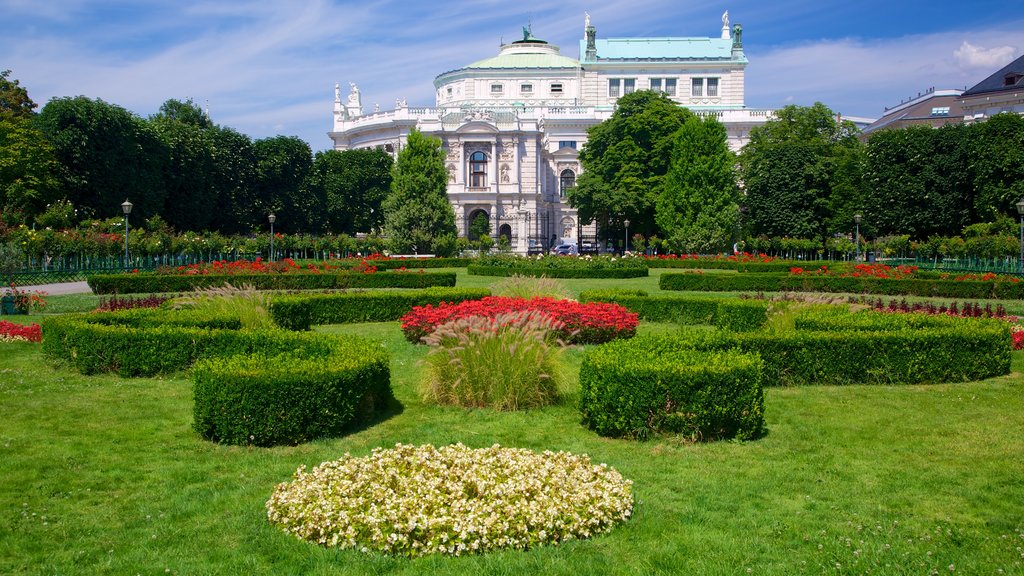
(512, 125)
(1003, 91)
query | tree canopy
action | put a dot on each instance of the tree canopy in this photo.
(625, 161)
(354, 184)
(417, 214)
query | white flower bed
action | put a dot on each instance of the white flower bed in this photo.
(417, 500)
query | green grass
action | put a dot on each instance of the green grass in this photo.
(103, 475)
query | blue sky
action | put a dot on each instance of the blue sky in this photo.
(268, 67)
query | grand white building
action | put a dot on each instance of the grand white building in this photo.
(512, 125)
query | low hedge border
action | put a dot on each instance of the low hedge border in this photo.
(478, 270)
(288, 399)
(702, 395)
(730, 314)
(773, 282)
(298, 312)
(392, 263)
(963, 350)
(155, 283)
(752, 266)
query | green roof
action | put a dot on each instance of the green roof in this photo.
(526, 60)
(662, 48)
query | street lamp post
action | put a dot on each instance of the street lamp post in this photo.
(272, 219)
(1020, 210)
(856, 219)
(126, 207)
(626, 222)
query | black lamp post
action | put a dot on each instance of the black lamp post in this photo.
(626, 223)
(126, 207)
(272, 219)
(856, 219)
(1020, 210)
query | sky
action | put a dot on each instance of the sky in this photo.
(268, 67)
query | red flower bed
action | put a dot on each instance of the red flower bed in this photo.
(590, 323)
(10, 332)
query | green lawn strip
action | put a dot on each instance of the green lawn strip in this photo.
(895, 480)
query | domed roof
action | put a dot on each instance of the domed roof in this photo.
(526, 54)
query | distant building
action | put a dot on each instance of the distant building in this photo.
(512, 125)
(932, 108)
(1000, 92)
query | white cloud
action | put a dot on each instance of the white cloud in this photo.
(971, 56)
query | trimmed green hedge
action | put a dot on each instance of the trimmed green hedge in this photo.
(755, 266)
(730, 314)
(154, 283)
(963, 350)
(396, 263)
(299, 312)
(478, 270)
(775, 282)
(290, 399)
(640, 387)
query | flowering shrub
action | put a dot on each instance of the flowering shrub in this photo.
(26, 300)
(454, 500)
(1018, 337)
(10, 332)
(861, 271)
(986, 277)
(505, 362)
(115, 303)
(590, 323)
(741, 257)
(967, 309)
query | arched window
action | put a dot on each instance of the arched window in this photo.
(565, 181)
(478, 170)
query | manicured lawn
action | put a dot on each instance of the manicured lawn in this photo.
(103, 475)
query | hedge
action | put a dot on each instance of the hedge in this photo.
(154, 283)
(478, 270)
(772, 282)
(730, 314)
(966, 350)
(751, 266)
(641, 387)
(411, 263)
(290, 399)
(298, 312)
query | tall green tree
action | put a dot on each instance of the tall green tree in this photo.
(417, 213)
(919, 181)
(283, 165)
(698, 210)
(106, 154)
(998, 165)
(14, 99)
(355, 183)
(801, 173)
(189, 166)
(625, 161)
(234, 178)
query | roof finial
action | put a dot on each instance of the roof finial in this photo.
(586, 23)
(725, 25)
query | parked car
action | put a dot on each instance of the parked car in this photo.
(565, 250)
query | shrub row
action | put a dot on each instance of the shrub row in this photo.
(646, 386)
(407, 263)
(478, 270)
(794, 283)
(151, 283)
(961, 351)
(546, 262)
(290, 399)
(726, 264)
(730, 314)
(299, 312)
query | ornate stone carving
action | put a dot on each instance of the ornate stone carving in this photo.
(454, 150)
(504, 174)
(451, 173)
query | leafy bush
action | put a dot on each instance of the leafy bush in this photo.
(145, 282)
(507, 362)
(299, 312)
(647, 386)
(774, 282)
(420, 500)
(289, 399)
(726, 313)
(559, 266)
(582, 323)
(479, 270)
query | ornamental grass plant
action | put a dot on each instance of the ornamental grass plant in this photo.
(509, 362)
(251, 306)
(527, 287)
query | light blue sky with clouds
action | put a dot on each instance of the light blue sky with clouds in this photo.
(268, 67)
